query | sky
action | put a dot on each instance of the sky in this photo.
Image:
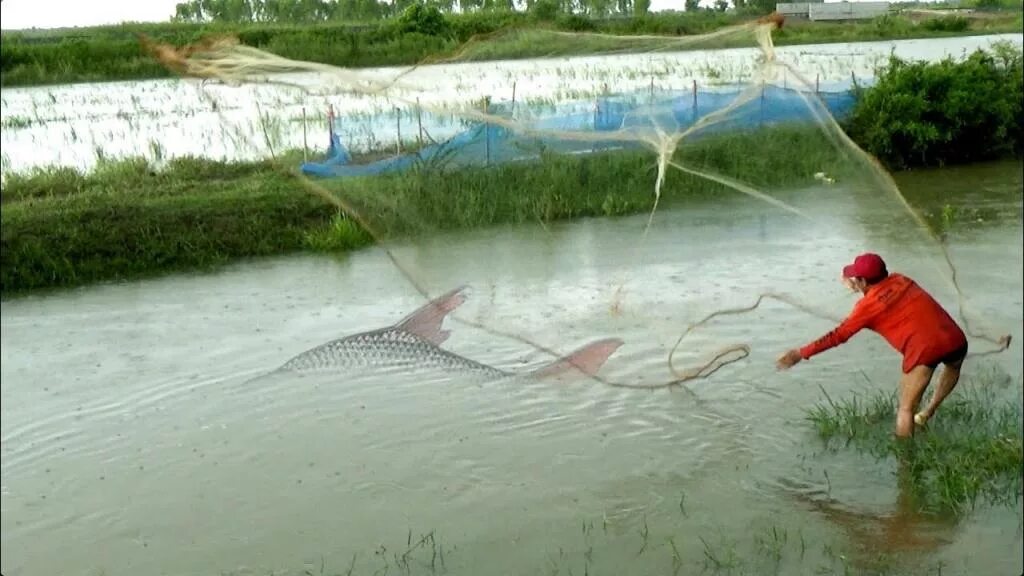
(19, 14)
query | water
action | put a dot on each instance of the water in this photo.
(139, 438)
(78, 124)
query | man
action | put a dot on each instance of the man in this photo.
(912, 322)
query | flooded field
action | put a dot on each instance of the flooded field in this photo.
(78, 125)
(142, 433)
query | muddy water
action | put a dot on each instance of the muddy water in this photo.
(140, 435)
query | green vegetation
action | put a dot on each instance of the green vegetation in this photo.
(125, 220)
(114, 52)
(680, 547)
(969, 452)
(128, 220)
(921, 114)
(419, 34)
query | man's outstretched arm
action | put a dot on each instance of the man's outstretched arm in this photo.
(861, 316)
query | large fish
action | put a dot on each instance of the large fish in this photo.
(415, 342)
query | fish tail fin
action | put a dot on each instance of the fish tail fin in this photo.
(589, 359)
(426, 322)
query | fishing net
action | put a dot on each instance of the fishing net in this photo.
(644, 189)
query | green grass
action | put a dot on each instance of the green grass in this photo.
(114, 53)
(673, 547)
(970, 452)
(893, 27)
(126, 220)
(944, 112)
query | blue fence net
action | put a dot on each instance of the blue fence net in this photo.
(483, 144)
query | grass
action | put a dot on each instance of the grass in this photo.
(114, 53)
(763, 547)
(970, 452)
(126, 220)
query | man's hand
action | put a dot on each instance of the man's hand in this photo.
(789, 359)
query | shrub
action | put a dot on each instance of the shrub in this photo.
(947, 24)
(424, 19)
(943, 112)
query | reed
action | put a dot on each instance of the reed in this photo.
(127, 219)
(969, 453)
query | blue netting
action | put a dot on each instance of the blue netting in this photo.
(483, 144)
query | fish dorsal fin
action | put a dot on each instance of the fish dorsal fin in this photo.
(426, 322)
(588, 359)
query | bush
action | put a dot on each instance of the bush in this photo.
(947, 24)
(944, 112)
(545, 10)
(576, 23)
(424, 19)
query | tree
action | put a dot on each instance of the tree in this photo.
(545, 10)
(423, 19)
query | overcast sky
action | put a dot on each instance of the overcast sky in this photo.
(17, 14)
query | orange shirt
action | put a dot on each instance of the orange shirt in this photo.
(909, 319)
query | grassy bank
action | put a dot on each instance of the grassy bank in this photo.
(126, 220)
(114, 52)
(970, 452)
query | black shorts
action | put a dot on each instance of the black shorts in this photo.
(953, 358)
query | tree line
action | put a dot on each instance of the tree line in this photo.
(310, 11)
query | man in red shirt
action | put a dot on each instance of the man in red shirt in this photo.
(912, 322)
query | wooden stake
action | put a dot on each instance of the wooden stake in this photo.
(762, 101)
(419, 121)
(695, 100)
(487, 131)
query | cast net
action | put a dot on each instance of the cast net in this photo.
(646, 192)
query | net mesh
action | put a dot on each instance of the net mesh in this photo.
(767, 135)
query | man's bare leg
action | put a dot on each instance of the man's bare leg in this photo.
(948, 379)
(912, 387)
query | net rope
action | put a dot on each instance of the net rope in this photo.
(226, 60)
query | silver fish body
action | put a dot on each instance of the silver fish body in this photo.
(386, 348)
(414, 343)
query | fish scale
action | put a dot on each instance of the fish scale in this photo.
(415, 342)
(384, 348)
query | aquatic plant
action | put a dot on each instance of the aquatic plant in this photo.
(969, 452)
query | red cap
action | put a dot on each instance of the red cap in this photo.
(868, 266)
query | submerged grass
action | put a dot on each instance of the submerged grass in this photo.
(128, 220)
(673, 548)
(968, 453)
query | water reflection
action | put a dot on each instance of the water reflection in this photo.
(907, 528)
